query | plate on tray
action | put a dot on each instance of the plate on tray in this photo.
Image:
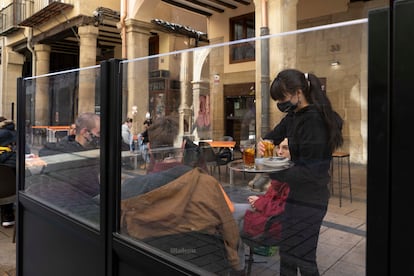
(276, 162)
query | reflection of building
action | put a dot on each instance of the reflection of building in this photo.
(240, 111)
(164, 94)
(39, 37)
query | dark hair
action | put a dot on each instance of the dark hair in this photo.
(289, 81)
(163, 131)
(148, 122)
(128, 120)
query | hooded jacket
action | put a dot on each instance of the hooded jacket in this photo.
(7, 133)
(8, 142)
(193, 202)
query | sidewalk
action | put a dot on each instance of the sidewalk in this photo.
(342, 240)
(7, 252)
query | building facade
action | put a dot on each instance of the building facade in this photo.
(42, 37)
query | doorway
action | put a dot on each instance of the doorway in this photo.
(240, 111)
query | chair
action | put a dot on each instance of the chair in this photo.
(215, 160)
(265, 239)
(225, 155)
(337, 159)
(209, 156)
(265, 228)
(226, 138)
(8, 188)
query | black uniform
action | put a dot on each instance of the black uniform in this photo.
(308, 179)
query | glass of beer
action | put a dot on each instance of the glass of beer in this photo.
(269, 148)
(249, 155)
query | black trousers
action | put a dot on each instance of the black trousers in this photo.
(300, 234)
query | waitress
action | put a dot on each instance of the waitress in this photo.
(313, 129)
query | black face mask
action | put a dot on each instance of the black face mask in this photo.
(93, 142)
(286, 106)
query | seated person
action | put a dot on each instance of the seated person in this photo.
(252, 215)
(72, 132)
(175, 198)
(87, 135)
(83, 177)
(69, 181)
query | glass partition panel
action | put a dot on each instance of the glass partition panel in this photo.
(62, 137)
(177, 196)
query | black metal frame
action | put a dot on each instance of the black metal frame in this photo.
(401, 240)
(390, 94)
(378, 143)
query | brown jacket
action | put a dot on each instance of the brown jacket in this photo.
(192, 202)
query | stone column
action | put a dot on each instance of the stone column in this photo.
(289, 23)
(200, 88)
(184, 110)
(87, 78)
(136, 90)
(12, 71)
(41, 102)
(217, 78)
(264, 82)
(283, 49)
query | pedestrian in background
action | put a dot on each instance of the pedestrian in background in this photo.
(143, 138)
(127, 137)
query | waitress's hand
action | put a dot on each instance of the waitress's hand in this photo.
(260, 148)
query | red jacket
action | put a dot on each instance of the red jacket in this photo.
(270, 204)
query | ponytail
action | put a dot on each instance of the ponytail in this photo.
(333, 121)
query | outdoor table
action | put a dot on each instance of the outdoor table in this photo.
(133, 155)
(223, 144)
(38, 165)
(52, 130)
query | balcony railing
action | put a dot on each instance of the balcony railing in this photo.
(21, 11)
(41, 4)
(12, 15)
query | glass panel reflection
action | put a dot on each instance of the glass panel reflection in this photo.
(177, 191)
(62, 168)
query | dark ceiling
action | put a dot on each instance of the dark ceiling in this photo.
(64, 37)
(208, 7)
